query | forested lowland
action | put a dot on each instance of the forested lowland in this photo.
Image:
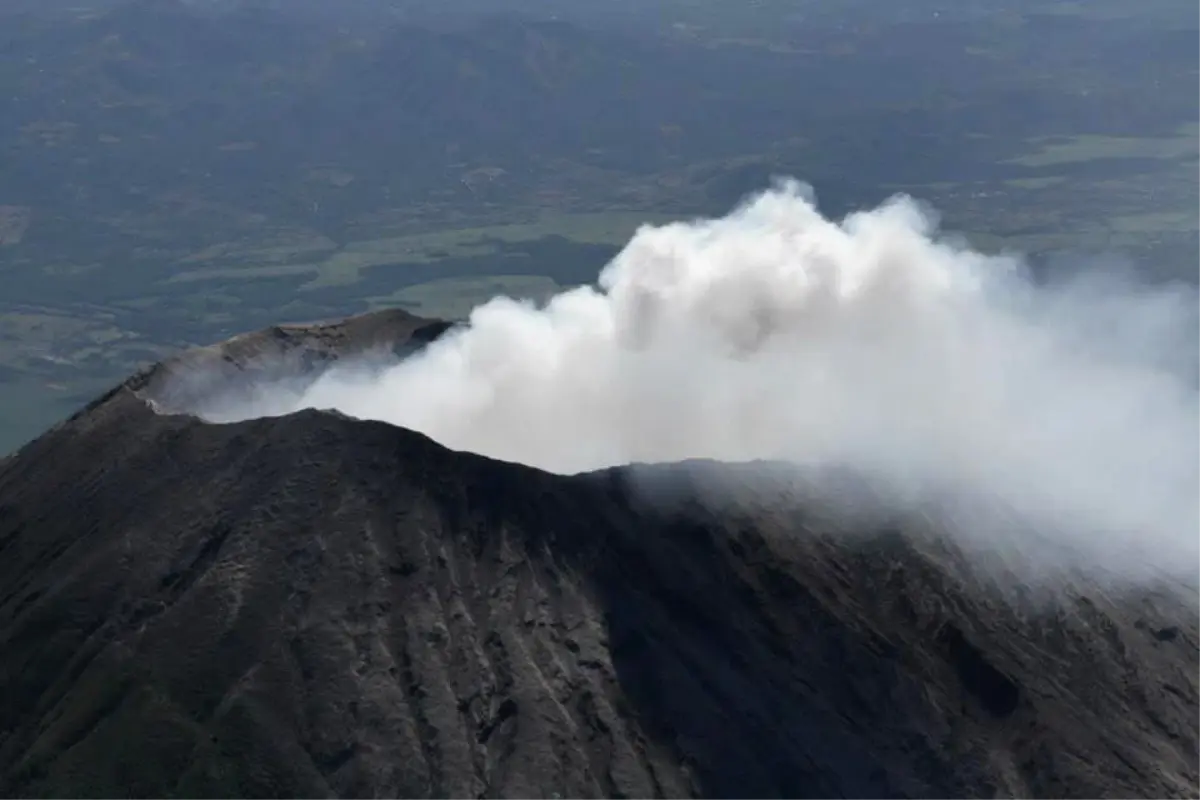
(171, 173)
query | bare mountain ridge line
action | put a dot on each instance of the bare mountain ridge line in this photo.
(316, 605)
(281, 351)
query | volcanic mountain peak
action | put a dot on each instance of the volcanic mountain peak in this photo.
(316, 605)
(280, 353)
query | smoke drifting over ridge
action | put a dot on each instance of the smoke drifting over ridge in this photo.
(867, 343)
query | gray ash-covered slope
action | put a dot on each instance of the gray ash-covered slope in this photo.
(313, 605)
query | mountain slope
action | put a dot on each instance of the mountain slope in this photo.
(313, 605)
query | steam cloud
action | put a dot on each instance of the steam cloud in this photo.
(868, 343)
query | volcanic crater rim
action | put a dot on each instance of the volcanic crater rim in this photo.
(288, 356)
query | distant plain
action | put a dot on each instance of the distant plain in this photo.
(169, 182)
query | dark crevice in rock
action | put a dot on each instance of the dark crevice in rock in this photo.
(995, 691)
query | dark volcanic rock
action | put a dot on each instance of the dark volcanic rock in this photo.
(314, 606)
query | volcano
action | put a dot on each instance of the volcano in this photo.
(313, 605)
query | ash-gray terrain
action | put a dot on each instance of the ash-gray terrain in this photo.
(314, 605)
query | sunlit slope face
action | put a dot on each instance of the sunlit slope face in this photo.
(869, 343)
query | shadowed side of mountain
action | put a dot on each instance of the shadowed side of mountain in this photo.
(312, 605)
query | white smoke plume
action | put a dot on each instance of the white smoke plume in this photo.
(868, 343)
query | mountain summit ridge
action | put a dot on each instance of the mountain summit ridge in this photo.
(314, 605)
